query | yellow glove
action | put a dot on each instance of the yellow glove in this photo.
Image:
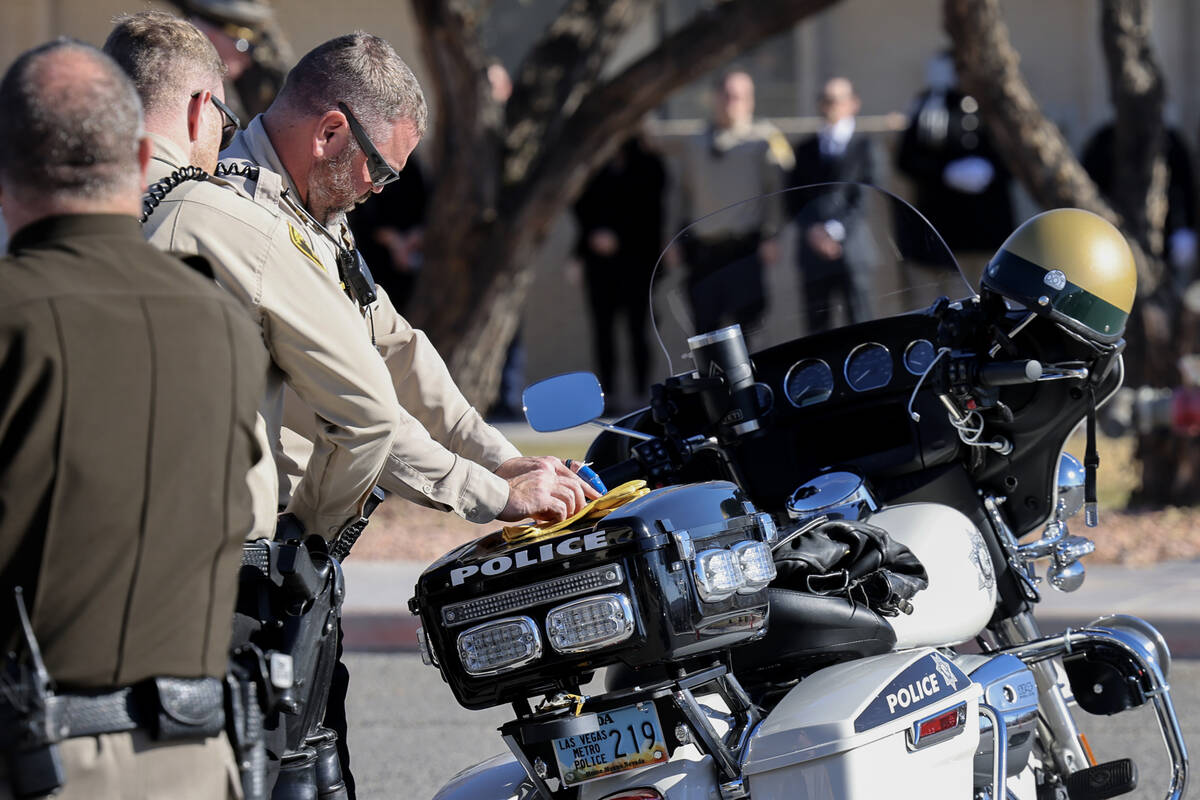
(596, 509)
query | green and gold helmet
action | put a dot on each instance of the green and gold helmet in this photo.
(1071, 265)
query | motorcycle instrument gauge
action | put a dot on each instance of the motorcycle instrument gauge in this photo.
(918, 356)
(808, 382)
(869, 366)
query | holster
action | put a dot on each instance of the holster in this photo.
(289, 602)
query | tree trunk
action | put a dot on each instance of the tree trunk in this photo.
(501, 183)
(1036, 152)
(1170, 465)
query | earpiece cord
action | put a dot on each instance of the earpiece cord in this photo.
(157, 191)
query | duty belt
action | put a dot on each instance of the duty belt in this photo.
(167, 708)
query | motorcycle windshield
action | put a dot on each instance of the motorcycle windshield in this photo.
(798, 262)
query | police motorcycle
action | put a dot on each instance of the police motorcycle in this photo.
(816, 574)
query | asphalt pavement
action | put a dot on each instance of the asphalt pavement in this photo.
(376, 616)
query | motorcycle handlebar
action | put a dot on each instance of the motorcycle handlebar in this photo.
(1009, 373)
(621, 472)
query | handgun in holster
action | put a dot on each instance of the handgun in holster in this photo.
(290, 595)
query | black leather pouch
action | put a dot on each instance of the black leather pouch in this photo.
(189, 708)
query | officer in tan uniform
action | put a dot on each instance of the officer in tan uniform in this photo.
(276, 232)
(345, 123)
(329, 157)
(127, 409)
(314, 337)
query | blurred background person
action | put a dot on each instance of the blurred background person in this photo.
(834, 254)
(736, 158)
(961, 184)
(508, 406)
(389, 231)
(620, 217)
(1179, 228)
(252, 46)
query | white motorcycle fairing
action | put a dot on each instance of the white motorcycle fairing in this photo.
(501, 777)
(961, 595)
(844, 733)
(848, 732)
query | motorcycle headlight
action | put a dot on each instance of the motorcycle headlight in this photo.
(499, 646)
(718, 575)
(590, 623)
(757, 566)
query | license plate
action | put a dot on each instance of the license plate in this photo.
(628, 738)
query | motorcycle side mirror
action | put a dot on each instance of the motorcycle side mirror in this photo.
(562, 402)
(1070, 485)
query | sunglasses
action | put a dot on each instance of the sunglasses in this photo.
(229, 127)
(378, 168)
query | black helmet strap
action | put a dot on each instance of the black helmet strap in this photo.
(1091, 463)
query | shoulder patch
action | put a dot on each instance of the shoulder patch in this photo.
(303, 246)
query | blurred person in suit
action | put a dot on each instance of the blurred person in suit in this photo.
(835, 253)
(389, 231)
(620, 217)
(250, 44)
(1179, 227)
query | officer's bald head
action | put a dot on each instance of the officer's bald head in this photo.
(70, 128)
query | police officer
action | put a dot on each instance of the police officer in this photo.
(277, 234)
(349, 115)
(127, 408)
(263, 257)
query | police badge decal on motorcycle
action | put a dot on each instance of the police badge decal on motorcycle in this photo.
(922, 684)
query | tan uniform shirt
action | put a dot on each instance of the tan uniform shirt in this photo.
(721, 167)
(444, 453)
(263, 479)
(286, 276)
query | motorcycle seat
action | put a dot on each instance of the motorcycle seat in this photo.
(806, 632)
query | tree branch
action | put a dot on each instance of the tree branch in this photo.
(1136, 88)
(559, 70)
(1032, 146)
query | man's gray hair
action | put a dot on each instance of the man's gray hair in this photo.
(168, 58)
(362, 71)
(67, 132)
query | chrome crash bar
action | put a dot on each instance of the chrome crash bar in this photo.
(1141, 652)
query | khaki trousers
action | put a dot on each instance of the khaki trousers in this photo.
(132, 766)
